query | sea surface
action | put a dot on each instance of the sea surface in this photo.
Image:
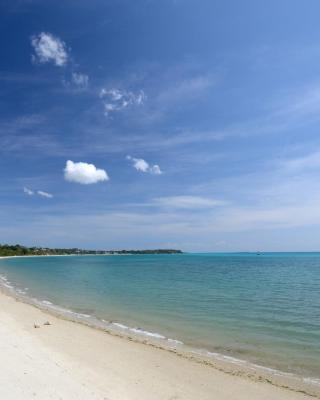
(263, 308)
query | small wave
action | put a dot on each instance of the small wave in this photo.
(238, 361)
(273, 371)
(147, 333)
(7, 285)
(83, 315)
(175, 341)
(142, 332)
(119, 325)
(248, 364)
(61, 310)
(222, 357)
(138, 331)
(52, 307)
(314, 381)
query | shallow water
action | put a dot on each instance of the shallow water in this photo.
(261, 308)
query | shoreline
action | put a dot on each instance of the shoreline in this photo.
(171, 372)
(224, 361)
(214, 361)
(220, 361)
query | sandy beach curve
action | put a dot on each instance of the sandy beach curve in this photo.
(68, 360)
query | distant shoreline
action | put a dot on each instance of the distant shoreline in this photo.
(78, 255)
(19, 250)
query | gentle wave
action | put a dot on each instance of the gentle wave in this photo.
(142, 332)
(313, 381)
(5, 282)
(107, 324)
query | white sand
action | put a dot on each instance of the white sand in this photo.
(70, 361)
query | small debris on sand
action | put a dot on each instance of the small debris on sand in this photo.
(36, 326)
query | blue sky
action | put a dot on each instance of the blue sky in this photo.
(180, 123)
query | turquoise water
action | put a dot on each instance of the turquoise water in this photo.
(262, 308)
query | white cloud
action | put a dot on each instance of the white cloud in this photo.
(80, 80)
(84, 173)
(28, 191)
(155, 170)
(188, 202)
(49, 48)
(141, 165)
(117, 100)
(44, 194)
(41, 193)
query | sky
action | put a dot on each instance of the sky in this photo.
(160, 124)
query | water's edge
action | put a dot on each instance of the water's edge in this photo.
(227, 364)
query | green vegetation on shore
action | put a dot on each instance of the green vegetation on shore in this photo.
(18, 250)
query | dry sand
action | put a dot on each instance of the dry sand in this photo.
(67, 360)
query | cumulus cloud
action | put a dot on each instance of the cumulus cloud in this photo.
(84, 173)
(49, 48)
(143, 166)
(28, 191)
(80, 80)
(188, 202)
(44, 194)
(139, 164)
(117, 100)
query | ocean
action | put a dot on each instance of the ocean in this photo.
(262, 309)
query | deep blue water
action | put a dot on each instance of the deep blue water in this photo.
(263, 308)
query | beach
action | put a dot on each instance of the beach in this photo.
(159, 202)
(68, 360)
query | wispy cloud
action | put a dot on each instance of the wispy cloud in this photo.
(45, 194)
(143, 166)
(41, 193)
(84, 173)
(188, 202)
(179, 88)
(117, 100)
(49, 48)
(28, 191)
(77, 81)
(185, 89)
(300, 102)
(80, 80)
(30, 135)
(282, 217)
(22, 78)
(306, 162)
(202, 229)
(281, 114)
